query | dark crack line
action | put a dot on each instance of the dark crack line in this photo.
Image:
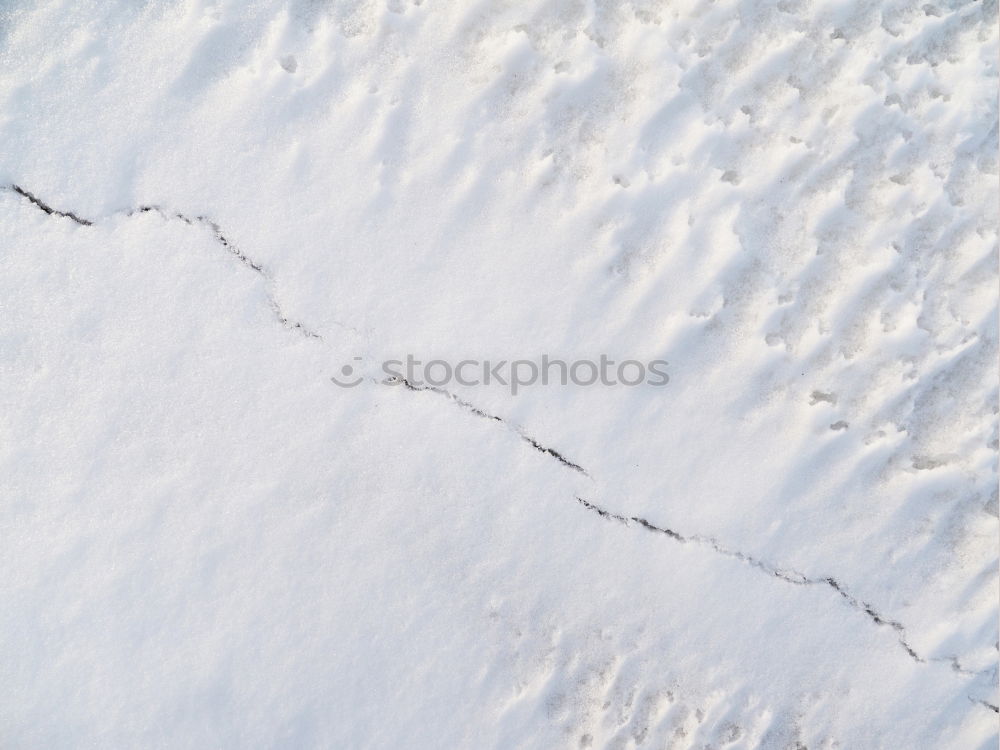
(211, 225)
(242, 257)
(987, 704)
(956, 665)
(784, 574)
(218, 236)
(789, 576)
(39, 203)
(473, 409)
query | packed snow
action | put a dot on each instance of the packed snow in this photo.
(213, 210)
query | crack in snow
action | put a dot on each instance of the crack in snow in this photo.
(987, 704)
(784, 574)
(473, 409)
(39, 203)
(789, 576)
(276, 308)
(202, 220)
(242, 257)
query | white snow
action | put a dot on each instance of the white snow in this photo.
(206, 543)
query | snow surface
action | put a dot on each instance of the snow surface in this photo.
(209, 207)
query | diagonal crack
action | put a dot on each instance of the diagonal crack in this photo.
(242, 257)
(784, 574)
(204, 221)
(276, 307)
(39, 203)
(473, 409)
(987, 704)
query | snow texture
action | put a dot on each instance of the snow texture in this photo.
(208, 208)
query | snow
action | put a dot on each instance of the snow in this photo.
(209, 208)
